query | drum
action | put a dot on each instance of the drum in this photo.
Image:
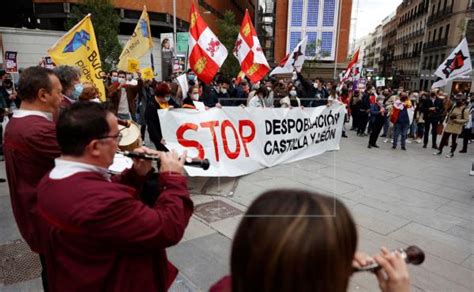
(131, 137)
(120, 164)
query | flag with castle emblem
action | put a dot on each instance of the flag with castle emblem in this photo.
(457, 64)
(206, 52)
(249, 52)
(351, 66)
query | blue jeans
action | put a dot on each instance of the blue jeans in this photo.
(400, 129)
(386, 124)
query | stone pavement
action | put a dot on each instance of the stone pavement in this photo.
(398, 198)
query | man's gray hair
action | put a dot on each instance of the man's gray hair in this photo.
(67, 74)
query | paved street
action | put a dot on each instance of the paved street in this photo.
(398, 198)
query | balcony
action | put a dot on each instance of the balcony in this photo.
(435, 44)
(440, 15)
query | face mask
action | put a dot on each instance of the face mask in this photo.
(78, 88)
(380, 102)
(196, 96)
(269, 88)
(293, 93)
(191, 77)
(167, 98)
(121, 80)
(129, 77)
(223, 90)
(114, 79)
(256, 86)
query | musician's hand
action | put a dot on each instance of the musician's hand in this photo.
(361, 259)
(393, 276)
(218, 105)
(171, 162)
(142, 166)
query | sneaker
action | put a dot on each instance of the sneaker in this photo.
(463, 151)
(418, 141)
(437, 153)
(375, 146)
(385, 141)
(424, 146)
(409, 141)
(383, 136)
(2, 180)
(394, 147)
(403, 148)
(450, 155)
(471, 173)
(434, 147)
(369, 146)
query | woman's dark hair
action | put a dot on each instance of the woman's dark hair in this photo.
(79, 124)
(32, 80)
(293, 241)
(262, 90)
(162, 89)
(67, 75)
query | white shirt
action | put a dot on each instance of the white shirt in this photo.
(21, 113)
(256, 101)
(65, 168)
(123, 104)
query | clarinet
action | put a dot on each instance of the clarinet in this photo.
(412, 255)
(193, 162)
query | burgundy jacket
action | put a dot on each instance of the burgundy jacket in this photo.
(100, 237)
(30, 148)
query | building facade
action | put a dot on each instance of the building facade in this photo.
(328, 34)
(389, 34)
(448, 22)
(412, 15)
(51, 14)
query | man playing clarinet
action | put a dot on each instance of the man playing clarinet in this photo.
(99, 235)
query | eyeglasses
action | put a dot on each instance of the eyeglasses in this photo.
(117, 137)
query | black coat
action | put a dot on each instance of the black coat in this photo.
(432, 115)
(153, 122)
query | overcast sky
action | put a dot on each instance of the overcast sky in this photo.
(370, 14)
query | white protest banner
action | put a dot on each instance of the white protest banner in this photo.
(239, 141)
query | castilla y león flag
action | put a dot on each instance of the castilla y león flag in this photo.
(249, 52)
(350, 66)
(206, 52)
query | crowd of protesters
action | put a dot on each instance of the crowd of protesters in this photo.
(90, 235)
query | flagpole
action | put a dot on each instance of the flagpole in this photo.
(174, 27)
(337, 38)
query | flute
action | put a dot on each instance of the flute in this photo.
(193, 162)
(412, 255)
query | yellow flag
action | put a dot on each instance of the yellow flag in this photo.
(133, 65)
(139, 43)
(147, 73)
(78, 47)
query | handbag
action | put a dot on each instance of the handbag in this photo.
(440, 128)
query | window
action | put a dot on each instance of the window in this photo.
(297, 13)
(295, 38)
(312, 44)
(313, 11)
(435, 62)
(434, 34)
(425, 63)
(329, 11)
(447, 31)
(326, 43)
(430, 62)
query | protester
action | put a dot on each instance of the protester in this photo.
(70, 81)
(377, 117)
(302, 246)
(30, 149)
(192, 96)
(364, 110)
(400, 120)
(99, 235)
(89, 93)
(161, 100)
(292, 99)
(258, 99)
(468, 130)
(146, 95)
(432, 109)
(455, 120)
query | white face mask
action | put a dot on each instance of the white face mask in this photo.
(223, 90)
(195, 96)
(121, 80)
(293, 93)
(269, 88)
